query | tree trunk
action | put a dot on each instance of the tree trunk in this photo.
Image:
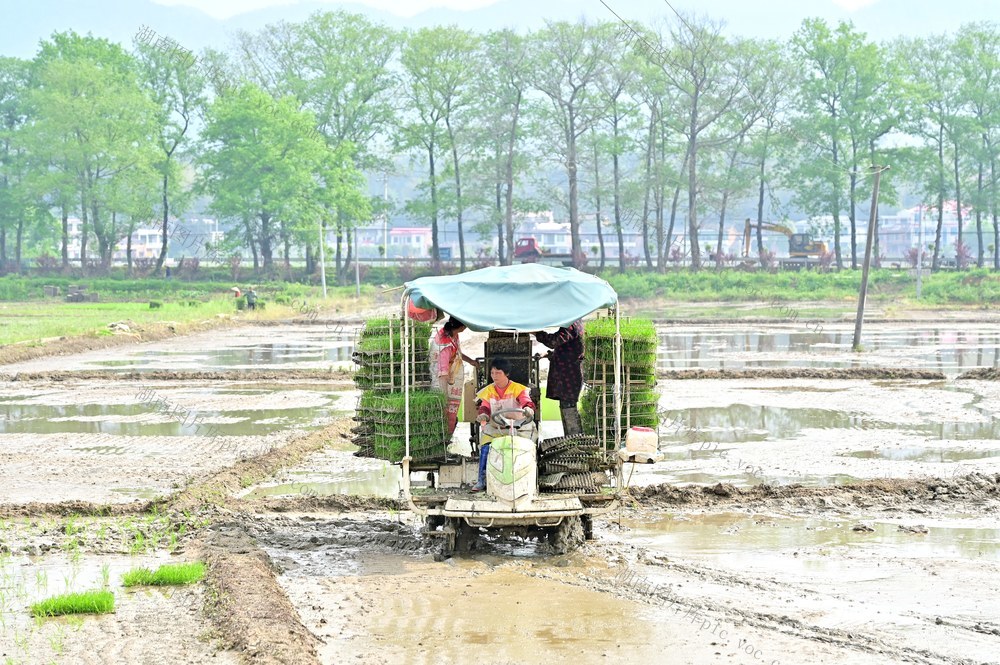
(166, 220)
(350, 258)
(265, 240)
(509, 194)
(659, 197)
(597, 199)
(435, 247)
(65, 236)
(616, 176)
(18, 242)
(693, 188)
(760, 197)
(649, 184)
(940, 222)
(836, 212)
(128, 253)
(876, 258)
(574, 204)
(498, 193)
(338, 253)
(993, 211)
(83, 230)
(458, 197)
(853, 216)
(958, 206)
(979, 217)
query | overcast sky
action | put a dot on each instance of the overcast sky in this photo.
(225, 8)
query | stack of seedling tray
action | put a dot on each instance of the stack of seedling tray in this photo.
(379, 353)
(381, 417)
(576, 463)
(639, 397)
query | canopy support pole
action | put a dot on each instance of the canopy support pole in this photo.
(407, 333)
(618, 373)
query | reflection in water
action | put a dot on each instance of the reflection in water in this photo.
(937, 349)
(326, 348)
(742, 422)
(921, 454)
(102, 419)
(732, 534)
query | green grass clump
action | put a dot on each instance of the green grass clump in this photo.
(88, 602)
(166, 575)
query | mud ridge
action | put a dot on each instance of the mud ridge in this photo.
(912, 494)
(804, 373)
(338, 376)
(982, 374)
(219, 488)
(337, 503)
(252, 612)
(74, 508)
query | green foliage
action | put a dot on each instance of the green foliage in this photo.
(155, 304)
(165, 575)
(737, 286)
(88, 602)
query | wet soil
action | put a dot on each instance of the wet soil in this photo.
(983, 374)
(842, 568)
(251, 610)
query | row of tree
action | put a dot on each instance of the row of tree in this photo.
(655, 129)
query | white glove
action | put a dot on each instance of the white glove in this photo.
(529, 413)
(482, 418)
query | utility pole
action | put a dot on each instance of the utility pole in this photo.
(868, 259)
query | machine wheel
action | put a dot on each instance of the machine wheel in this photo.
(460, 538)
(567, 536)
(588, 526)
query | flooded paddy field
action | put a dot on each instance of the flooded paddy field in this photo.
(947, 348)
(792, 521)
(118, 441)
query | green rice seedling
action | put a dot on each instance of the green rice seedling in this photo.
(166, 575)
(105, 576)
(87, 602)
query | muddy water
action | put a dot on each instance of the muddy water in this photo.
(823, 432)
(371, 597)
(256, 347)
(722, 537)
(229, 411)
(951, 350)
(101, 441)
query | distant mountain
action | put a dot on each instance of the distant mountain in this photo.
(24, 24)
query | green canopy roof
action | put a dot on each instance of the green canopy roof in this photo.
(523, 297)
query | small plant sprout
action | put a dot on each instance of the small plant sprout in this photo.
(105, 576)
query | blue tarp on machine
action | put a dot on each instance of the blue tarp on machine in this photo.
(523, 297)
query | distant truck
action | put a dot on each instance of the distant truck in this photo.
(526, 250)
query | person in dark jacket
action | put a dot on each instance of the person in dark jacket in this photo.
(565, 372)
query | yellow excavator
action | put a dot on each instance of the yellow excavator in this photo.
(800, 245)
